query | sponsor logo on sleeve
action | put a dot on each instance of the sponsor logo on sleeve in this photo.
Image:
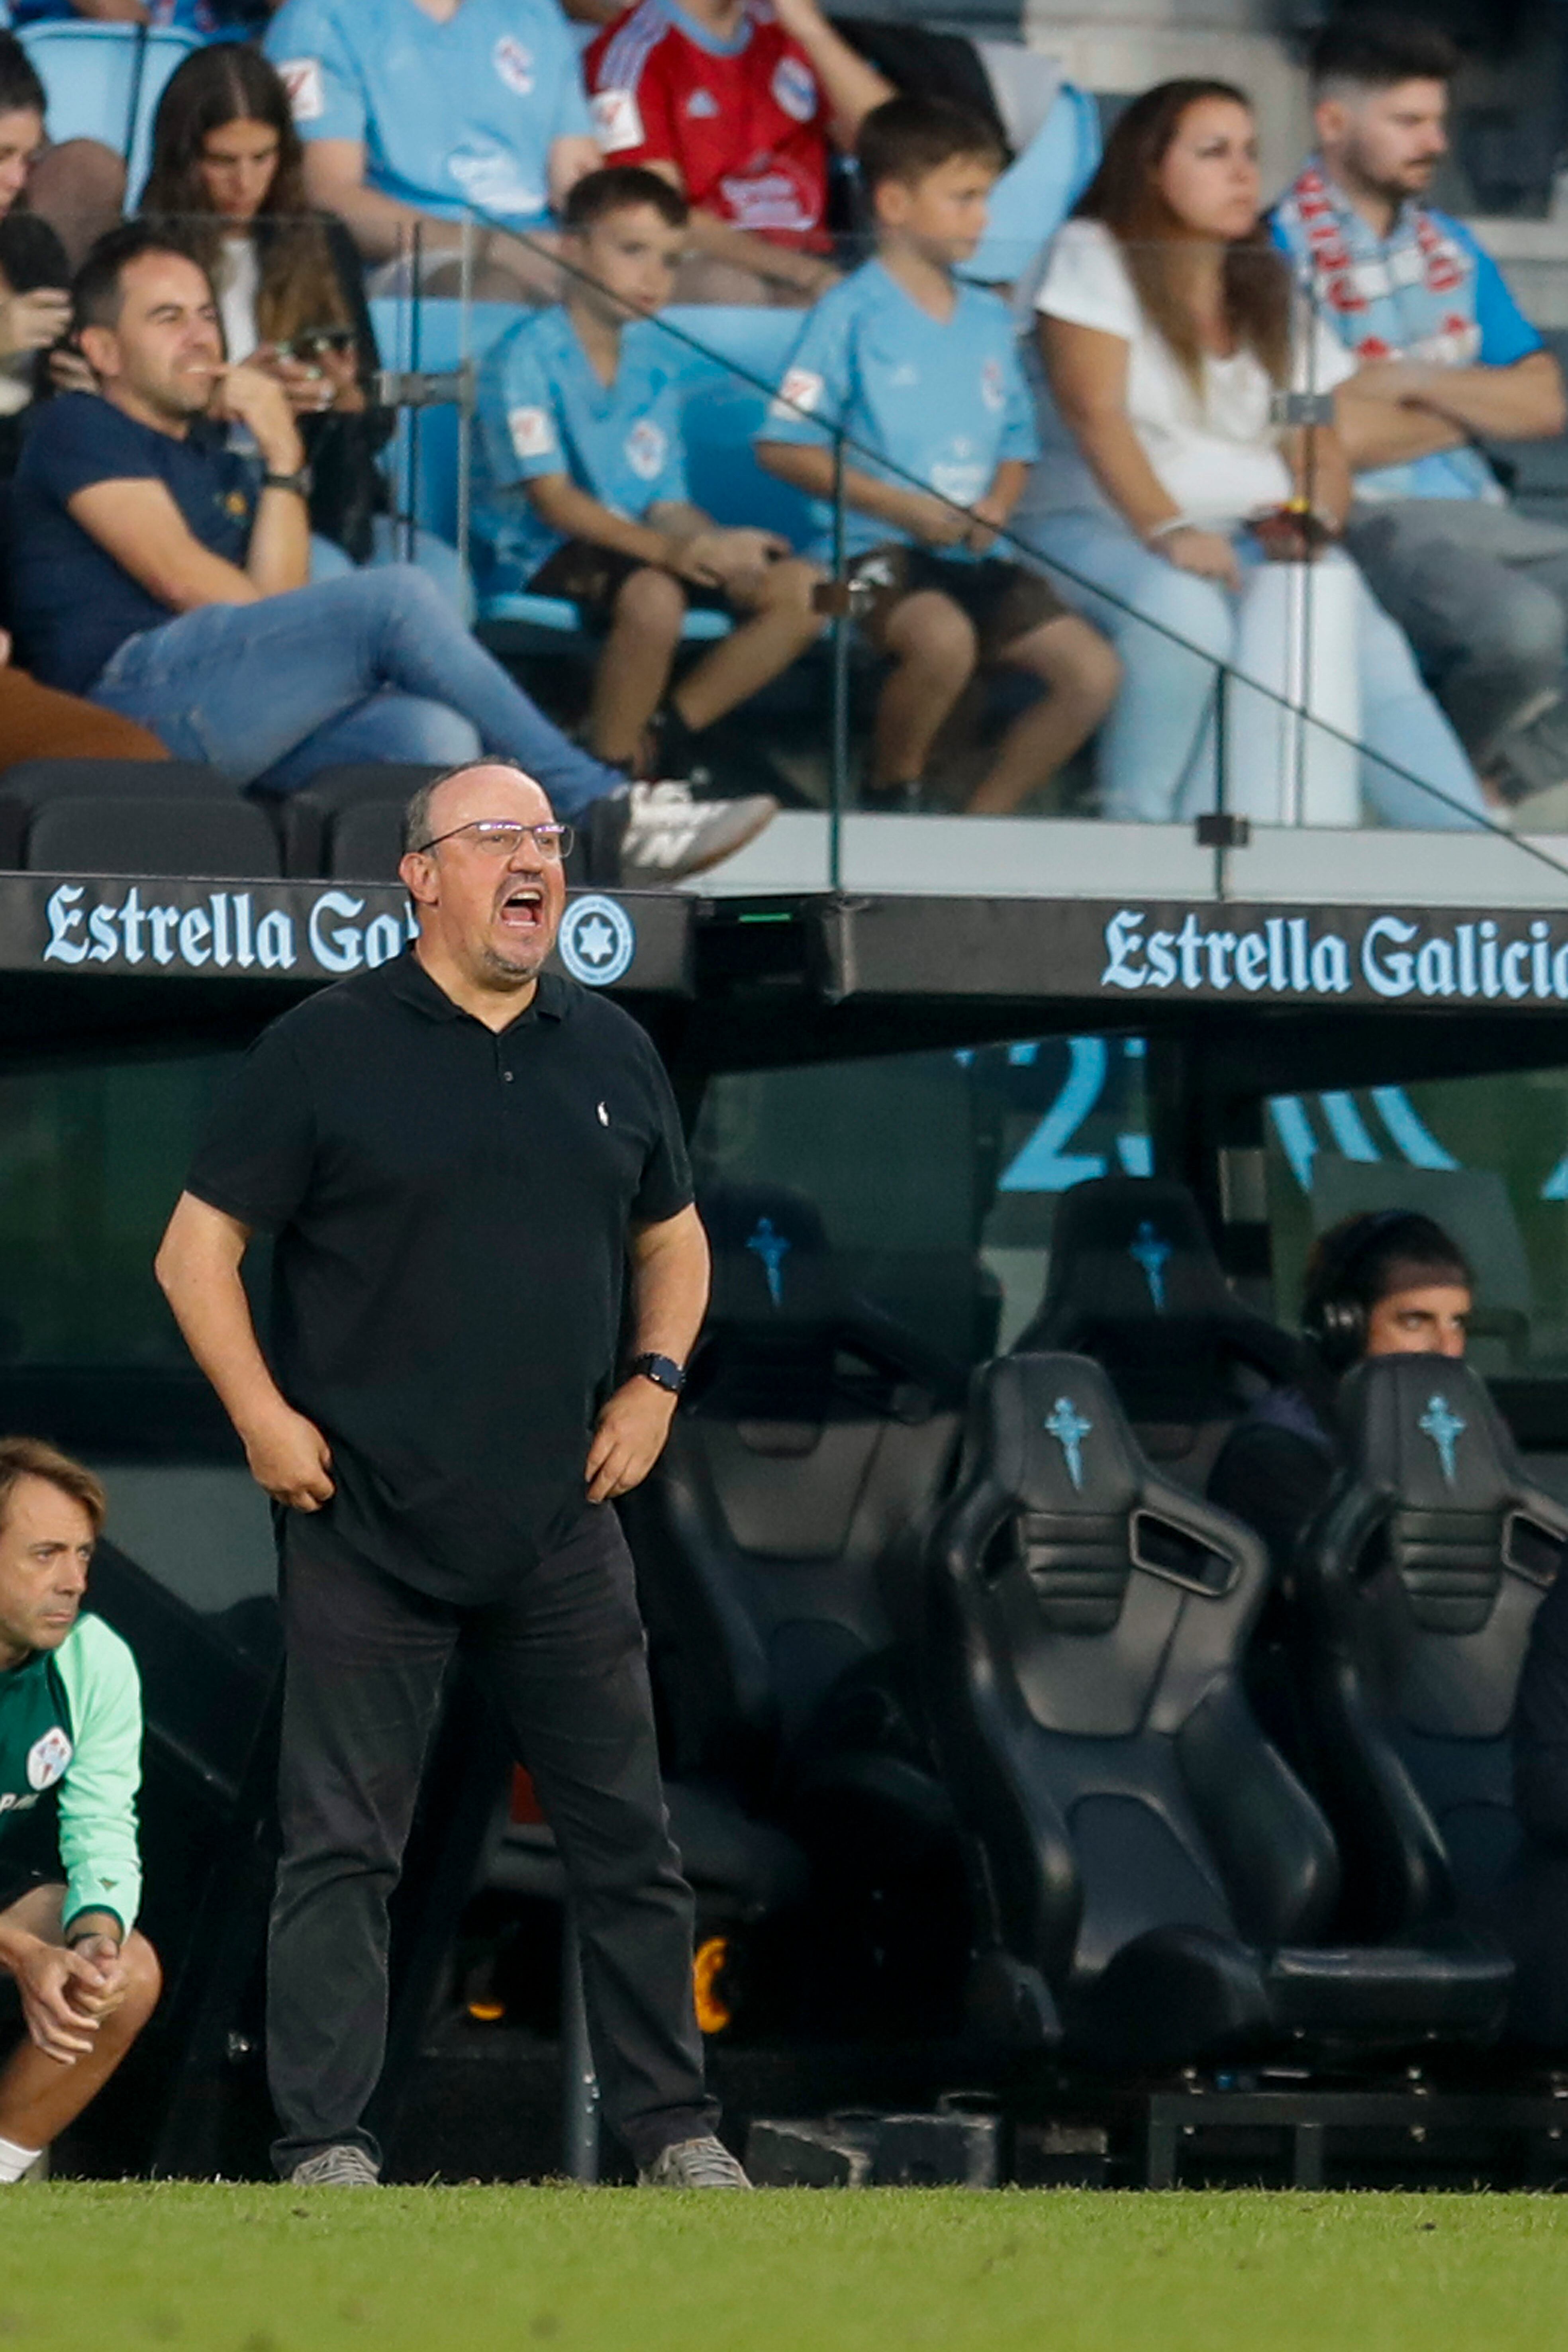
(798, 394)
(617, 121)
(47, 1758)
(648, 446)
(302, 78)
(794, 89)
(514, 64)
(993, 391)
(532, 435)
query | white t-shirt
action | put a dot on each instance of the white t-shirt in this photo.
(1219, 455)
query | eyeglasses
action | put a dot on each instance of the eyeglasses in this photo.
(498, 836)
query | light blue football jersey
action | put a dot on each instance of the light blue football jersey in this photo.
(543, 410)
(923, 404)
(454, 117)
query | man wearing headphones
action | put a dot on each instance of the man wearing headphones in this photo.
(1390, 1283)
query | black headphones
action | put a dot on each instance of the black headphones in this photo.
(1336, 1323)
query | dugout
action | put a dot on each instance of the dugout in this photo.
(935, 1068)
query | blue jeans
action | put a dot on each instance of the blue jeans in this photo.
(371, 666)
(1156, 749)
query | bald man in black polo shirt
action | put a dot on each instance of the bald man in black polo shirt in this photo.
(456, 1152)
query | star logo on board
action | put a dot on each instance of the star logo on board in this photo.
(598, 940)
(1445, 1427)
(1069, 1429)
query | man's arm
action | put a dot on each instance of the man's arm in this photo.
(851, 87)
(137, 522)
(198, 1271)
(571, 160)
(669, 1297)
(1523, 402)
(382, 227)
(721, 240)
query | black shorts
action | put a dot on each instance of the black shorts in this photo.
(1004, 601)
(592, 578)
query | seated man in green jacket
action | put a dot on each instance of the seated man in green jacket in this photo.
(70, 1741)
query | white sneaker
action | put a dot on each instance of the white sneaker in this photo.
(670, 835)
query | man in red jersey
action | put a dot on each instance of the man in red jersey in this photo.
(736, 102)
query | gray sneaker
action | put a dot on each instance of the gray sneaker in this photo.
(704, 2163)
(669, 835)
(343, 2166)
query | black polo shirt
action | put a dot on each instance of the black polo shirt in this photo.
(450, 1209)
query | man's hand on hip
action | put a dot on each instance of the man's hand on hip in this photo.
(628, 1438)
(288, 1456)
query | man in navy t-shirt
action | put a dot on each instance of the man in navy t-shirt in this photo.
(155, 571)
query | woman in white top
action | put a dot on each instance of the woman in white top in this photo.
(1165, 329)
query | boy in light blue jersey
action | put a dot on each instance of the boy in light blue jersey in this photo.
(415, 112)
(922, 373)
(84, 1979)
(581, 486)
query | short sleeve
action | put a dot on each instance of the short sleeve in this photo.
(815, 390)
(633, 118)
(1086, 282)
(666, 1188)
(83, 439)
(517, 412)
(1507, 335)
(315, 60)
(257, 1154)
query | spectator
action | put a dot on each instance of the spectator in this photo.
(417, 113)
(152, 573)
(581, 485)
(737, 102)
(87, 1980)
(76, 187)
(922, 374)
(227, 178)
(1388, 1283)
(1446, 361)
(1165, 331)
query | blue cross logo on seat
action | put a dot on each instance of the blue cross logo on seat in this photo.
(1152, 1251)
(772, 1248)
(1069, 1429)
(1444, 1427)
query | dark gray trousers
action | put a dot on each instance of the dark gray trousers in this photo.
(565, 1656)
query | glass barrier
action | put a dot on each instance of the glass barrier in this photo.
(887, 576)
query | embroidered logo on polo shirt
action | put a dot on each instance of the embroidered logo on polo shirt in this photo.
(514, 64)
(596, 941)
(646, 447)
(701, 105)
(47, 1758)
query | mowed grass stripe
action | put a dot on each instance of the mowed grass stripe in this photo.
(505, 2270)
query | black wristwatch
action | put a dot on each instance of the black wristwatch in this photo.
(302, 483)
(662, 1370)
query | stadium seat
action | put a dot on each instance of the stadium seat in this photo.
(1152, 1858)
(346, 816)
(30, 784)
(103, 81)
(153, 835)
(1419, 1584)
(1134, 1283)
(778, 1548)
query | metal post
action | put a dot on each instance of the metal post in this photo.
(580, 2114)
(1222, 779)
(411, 482)
(465, 403)
(839, 770)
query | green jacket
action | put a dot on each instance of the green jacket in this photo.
(71, 1720)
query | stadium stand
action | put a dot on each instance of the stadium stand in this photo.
(104, 81)
(32, 786)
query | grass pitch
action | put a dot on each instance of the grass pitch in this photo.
(513, 2270)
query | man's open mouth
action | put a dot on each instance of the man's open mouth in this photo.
(522, 909)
